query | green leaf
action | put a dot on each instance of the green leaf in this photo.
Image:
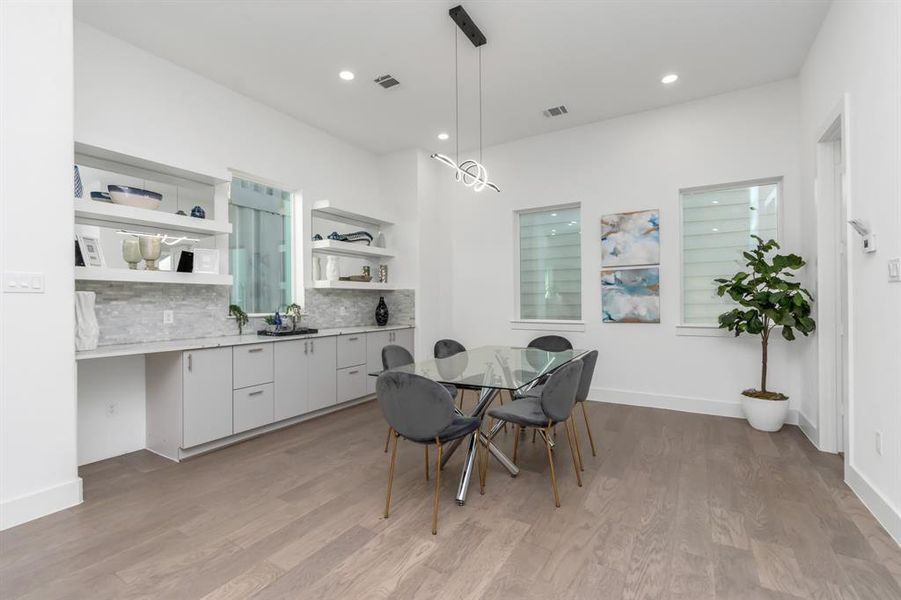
(788, 334)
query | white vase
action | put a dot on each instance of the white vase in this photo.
(87, 331)
(332, 269)
(764, 415)
(317, 269)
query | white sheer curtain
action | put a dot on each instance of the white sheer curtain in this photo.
(550, 264)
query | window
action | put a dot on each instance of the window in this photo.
(550, 264)
(260, 246)
(717, 225)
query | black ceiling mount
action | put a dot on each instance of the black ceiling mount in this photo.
(464, 22)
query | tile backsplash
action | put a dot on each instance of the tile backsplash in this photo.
(133, 312)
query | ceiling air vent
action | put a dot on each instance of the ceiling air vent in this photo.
(555, 111)
(387, 81)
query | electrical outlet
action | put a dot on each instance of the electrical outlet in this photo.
(879, 443)
(168, 317)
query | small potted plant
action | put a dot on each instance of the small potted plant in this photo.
(295, 313)
(767, 299)
(240, 317)
(273, 322)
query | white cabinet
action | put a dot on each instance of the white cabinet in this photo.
(253, 407)
(375, 341)
(321, 366)
(291, 377)
(206, 395)
(351, 350)
(351, 383)
(252, 365)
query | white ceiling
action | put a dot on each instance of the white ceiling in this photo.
(602, 59)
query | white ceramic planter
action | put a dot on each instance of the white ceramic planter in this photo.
(764, 415)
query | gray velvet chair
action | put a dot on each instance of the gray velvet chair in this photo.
(422, 411)
(551, 343)
(394, 356)
(589, 360)
(447, 347)
(554, 404)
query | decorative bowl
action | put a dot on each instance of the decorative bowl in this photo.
(101, 197)
(132, 196)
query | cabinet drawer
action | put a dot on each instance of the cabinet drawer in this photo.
(351, 383)
(351, 350)
(253, 407)
(253, 365)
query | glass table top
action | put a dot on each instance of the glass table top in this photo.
(497, 367)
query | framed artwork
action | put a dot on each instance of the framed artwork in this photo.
(630, 295)
(630, 239)
(88, 240)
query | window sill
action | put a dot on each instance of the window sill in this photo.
(702, 331)
(547, 325)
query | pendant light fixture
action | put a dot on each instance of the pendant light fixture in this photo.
(470, 173)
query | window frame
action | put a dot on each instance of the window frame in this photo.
(713, 329)
(297, 288)
(517, 322)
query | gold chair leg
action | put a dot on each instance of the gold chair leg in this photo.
(572, 421)
(437, 489)
(388, 439)
(588, 427)
(426, 446)
(534, 432)
(516, 431)
(572, 450)
(550, 462)
(391, 476)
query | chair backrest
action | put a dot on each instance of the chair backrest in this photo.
(414, 406)
(588, 361)
(558, 396)
(446, 348)
(394, 356)
(551, 343)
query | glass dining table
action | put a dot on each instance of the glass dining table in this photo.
(489, 370)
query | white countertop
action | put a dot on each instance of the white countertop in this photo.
(217, 342)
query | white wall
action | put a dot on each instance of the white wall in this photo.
(38, 472)
(163, 113)
(630, 163)
(858, 52)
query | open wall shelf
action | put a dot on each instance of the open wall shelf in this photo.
(138, 276)
(105, 214)
(350, 249)
(324, 209)
(352, 285)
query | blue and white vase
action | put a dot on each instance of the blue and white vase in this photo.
(79, 189)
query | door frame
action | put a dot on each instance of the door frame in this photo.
(834, 295)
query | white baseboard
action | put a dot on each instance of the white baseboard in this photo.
(887, 515)
(810, 430)
(704, 406)
(22, 509)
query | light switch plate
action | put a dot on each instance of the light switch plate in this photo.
(21, 282)
(894, 269)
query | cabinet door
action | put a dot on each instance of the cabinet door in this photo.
(207, 395)
(351, 350)
(253, 407)
(252, 365)
(323, 364)
(351, 383)
(404, 337)
(291, 398)
(375, 341)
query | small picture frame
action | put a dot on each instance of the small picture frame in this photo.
(88, 239)
(206, 261)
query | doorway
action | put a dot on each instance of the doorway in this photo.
(832, 284)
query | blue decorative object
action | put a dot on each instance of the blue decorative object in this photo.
(198, 212)
(277, 320)
(79, 190)
(101, 197)
(381, 312)
(317, 238)
(334, 236)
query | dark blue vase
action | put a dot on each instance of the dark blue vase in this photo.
(198, 212)
(381, 312)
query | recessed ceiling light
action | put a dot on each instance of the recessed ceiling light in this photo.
(715, 202)
(443, 136)
(715, 229)
(553, 214)
(671, 78)
(346, 75)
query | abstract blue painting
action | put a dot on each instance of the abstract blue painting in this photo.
(630, 239)
(630, 295)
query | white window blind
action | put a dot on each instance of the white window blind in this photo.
(550, 264)
(717, 224)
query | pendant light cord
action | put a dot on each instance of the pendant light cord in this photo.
(480, 104)
(456, 102)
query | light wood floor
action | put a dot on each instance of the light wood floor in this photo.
(675, 506)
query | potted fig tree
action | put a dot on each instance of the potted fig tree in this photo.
(767, 299)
